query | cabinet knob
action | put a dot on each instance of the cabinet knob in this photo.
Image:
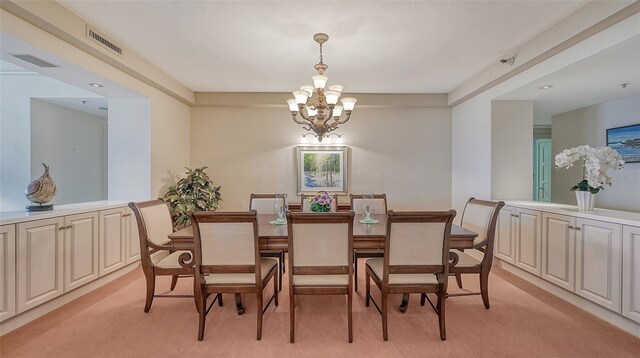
(571, 227)
(577, 228)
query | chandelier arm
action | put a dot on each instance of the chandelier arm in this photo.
(295, 119)
(329, 116)
(346, 119)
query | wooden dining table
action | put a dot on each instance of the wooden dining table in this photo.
(365, 236)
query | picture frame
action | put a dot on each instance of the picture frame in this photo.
(626, 140)
(321, 168)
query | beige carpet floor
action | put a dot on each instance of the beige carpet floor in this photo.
(524, 321)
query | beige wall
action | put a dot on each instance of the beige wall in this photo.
(511, 149)
(587, 126)
(170, 118)
(403, 151)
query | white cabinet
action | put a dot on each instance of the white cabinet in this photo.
(111, 240)
(132, 238)
(599, 262)
(40, 267)
(528, 241)
(81, 250)
(7, 271)
(631, 272)
(505, 235)
(558, 249)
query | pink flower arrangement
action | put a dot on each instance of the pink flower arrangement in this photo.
(320, 202)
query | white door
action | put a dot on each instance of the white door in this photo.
(7, 271)
(631, 272)
(132, 237)
(40, 252)
(112, 243)
(599, 262)
(528, 240)
(81, 250)
(505, 235)
(558, 249)
(543, 167)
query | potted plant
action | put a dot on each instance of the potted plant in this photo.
(320, 203)
(196, 192)
(595, 163)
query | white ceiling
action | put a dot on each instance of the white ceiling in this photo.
(87, 105)
(374, 46)
(595, 79)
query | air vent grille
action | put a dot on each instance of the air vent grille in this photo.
(35, 61)
(103, 41)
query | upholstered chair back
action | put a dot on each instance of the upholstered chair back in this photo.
(262, 203)
(379, 203)
(320, 239)
(419, 239)
(306, 205)
(477, 218)
(157, 222)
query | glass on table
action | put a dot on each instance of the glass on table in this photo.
(279, 208)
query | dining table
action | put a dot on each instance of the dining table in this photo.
(365, 236)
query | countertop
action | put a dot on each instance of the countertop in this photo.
(615, 216)
(12, 217)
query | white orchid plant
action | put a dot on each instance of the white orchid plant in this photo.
(596, 162)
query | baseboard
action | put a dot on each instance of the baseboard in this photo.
(602, 313)
(36, 312)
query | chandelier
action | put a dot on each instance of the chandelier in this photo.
(318, 107)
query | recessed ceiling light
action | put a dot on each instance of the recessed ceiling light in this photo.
(95, 84)
(546, 86)
(624, 85)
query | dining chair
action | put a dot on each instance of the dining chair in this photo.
(227, 260)
(480, 216)
(379, 202)
(306, 205)
(154, 225)
(416, 260)
(263, 204)
(320, 246)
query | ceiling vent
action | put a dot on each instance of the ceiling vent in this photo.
(35, 61)
(102, 40)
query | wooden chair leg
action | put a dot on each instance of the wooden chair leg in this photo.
(282, 265)
(259, 313)
(196, 293)
(423, 299)
(174, 281)
(280, 271)
(367, 282)
(220, 303)
(202, 314)
(459, 280)
(355, 272)
(385, 334)
(484, 289)
(151, 287)
(350, 315)
(292, 315)
(276, 288)
(441, 316)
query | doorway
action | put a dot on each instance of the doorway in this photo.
(542, 170)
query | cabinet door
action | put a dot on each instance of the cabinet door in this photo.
(81, 250)
(631, 272)
(40, 262)
(112, 243)
(132, 238)
(7, 271)
(528, 240)
(505, 235)
(599, 262)
(558, 249)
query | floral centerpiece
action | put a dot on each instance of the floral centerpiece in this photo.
(321, 202)
(595, 163)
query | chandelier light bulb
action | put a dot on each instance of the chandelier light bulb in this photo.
(332, 96)
(336, 88)
(319, 81)
(309, 89)
(293, 105)
(349, 103)
(301, 96)
(337, 111)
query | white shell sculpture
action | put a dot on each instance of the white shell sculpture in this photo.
(41, 190)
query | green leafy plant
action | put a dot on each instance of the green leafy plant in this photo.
(196, 192)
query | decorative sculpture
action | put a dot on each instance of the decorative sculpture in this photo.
(41, 191)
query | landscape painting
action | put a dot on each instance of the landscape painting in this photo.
(626, 140)
(321, 169)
